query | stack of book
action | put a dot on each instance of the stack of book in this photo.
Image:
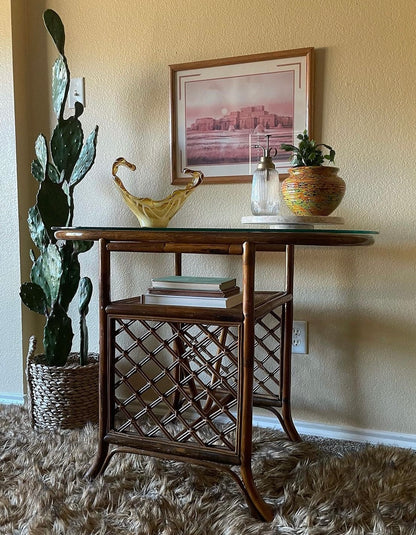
(211, 292)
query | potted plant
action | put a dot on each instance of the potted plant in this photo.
(312, 189)
(58, 377)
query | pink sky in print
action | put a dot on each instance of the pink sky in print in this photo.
(221, 96)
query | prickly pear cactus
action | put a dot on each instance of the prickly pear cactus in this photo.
(55, 273)
(85, 292)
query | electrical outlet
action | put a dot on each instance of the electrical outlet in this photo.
(300, 337)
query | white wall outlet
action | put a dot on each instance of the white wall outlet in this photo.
(76, 92)
(300, 337)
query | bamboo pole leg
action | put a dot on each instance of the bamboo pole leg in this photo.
(104, 299)
(287, 317)
(100, 462)
(253, 497)
(246, 386)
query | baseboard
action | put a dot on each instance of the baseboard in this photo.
(12, 399)
(354, 434)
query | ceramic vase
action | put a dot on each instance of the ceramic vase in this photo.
(313, 191)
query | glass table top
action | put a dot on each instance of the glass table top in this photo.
(212, 230)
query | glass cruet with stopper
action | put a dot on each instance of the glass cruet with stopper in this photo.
(265, 190)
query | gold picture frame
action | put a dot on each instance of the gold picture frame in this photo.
(218, 107)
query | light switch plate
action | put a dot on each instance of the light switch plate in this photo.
(76, 92)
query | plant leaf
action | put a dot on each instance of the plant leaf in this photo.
(85, 293)
(38, 232)
(53, 206)
(79, 109)
(85, 159)
(53, 174)
(285, 146)
(60, 85)
(81, 246)
(34, 297)
(41, 151)
(66, 143)
(70, 275)
(55, 28)
(57, 337)
(37, 170)
(47, 272)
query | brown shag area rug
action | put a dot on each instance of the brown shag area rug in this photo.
(314, 489)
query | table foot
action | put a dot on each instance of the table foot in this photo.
(290, 430)
(101, 461)
(255, 502)
(287, 424)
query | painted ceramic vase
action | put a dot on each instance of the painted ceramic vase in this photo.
(313, 191)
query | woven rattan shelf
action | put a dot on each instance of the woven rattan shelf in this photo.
(263, 302)
(181, 382)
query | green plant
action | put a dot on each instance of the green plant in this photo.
(55, 273)
(308, 153)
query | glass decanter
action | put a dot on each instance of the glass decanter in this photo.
(265, 190)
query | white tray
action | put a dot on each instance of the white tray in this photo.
(294, 221)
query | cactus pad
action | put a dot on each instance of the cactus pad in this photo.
(70, 275)
(38, 232)
(55, 28)
(81, 246)
(33, 297)
(57, 337)
(47, 272)
(37, 171)
(53, 206)
(85, 293)
(53, 174)
(41, 150)
(60, 85)
(66, 144)
(85, 160)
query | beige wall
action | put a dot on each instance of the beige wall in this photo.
(11, 363)
(360, 303)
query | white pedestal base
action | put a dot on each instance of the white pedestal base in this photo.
(287, 222)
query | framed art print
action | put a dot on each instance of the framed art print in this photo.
(219, 108)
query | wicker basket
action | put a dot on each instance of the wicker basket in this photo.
(62, 397)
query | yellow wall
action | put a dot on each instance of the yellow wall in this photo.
(360, 303)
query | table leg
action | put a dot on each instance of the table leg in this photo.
(104, 298)
(286, 420)
(287, 321)
(246, 387)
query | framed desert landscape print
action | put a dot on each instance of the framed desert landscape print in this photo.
(220, 109)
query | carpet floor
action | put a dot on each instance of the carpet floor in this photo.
(314, 488)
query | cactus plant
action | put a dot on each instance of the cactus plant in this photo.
(55, 273)
(85, 291)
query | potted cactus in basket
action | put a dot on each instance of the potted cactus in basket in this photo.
(312, 189)
(55, 274)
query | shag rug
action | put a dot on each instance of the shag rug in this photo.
(314, 489)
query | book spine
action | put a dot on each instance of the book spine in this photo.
(207, 302)
(193, 283)
(193, 293)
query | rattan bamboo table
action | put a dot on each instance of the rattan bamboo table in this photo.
(181, 382)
